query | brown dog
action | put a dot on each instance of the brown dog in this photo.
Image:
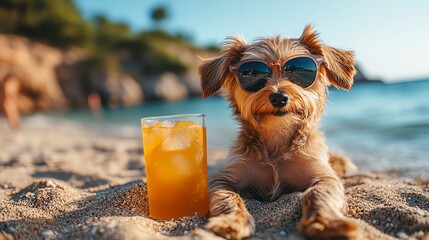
(277, 90)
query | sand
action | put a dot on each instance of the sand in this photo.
(62, 182)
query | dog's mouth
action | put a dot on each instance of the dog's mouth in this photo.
(277, 113)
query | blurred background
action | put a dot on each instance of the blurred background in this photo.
(103, 65)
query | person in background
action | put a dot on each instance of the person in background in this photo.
(94, 102)
(9, 92)
(95, 105)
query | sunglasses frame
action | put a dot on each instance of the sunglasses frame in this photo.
(317, 59)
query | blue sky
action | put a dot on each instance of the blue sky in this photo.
(390, 37)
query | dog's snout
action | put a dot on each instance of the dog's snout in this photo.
(278, 100)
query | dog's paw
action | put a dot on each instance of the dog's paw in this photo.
(342, 166)
(232, 225)
(321, 228)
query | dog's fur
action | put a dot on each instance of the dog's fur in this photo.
(280, 150)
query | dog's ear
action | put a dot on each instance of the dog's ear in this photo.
(214, 71)
(309, 38)
(339, 65)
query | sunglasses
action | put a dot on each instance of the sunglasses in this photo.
(252, 75)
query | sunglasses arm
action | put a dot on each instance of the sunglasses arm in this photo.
(319, 59)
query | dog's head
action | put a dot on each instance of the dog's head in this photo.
(274, 89)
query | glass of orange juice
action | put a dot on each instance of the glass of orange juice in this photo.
(175, 152)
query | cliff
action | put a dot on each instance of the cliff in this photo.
(34, 64)
(360, 77)
(55, 78)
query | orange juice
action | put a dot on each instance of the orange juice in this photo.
(176, 169)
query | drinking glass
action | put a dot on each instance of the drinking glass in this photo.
(175, 152)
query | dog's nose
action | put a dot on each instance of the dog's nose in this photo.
(278, 100)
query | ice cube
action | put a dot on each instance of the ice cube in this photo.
(176, 141)
(151, 124)
(181, 164)
(179, 138)
(172, 168)
(152, 137)
(167, 124)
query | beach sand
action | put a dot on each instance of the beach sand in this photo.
(61, 182)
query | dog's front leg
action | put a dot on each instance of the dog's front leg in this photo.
(229, 217)
(324, 205)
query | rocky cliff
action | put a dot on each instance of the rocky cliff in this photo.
(360, 77)
(54, 78)
(34, 64)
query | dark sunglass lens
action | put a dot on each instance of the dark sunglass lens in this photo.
(253, 76)
(301, 71)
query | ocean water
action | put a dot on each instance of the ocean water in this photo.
(379, 126)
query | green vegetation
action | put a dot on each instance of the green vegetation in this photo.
(59, 23)
(108, 34)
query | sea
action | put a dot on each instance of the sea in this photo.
(379, 126)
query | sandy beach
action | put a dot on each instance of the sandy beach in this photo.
(63, 182)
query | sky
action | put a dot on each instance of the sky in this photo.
(390, 37)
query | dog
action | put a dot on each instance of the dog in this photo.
(277, 90)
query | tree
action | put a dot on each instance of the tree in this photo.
(158, 15)
(108, 34)
(57, 23)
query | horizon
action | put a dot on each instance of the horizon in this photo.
(375, 38)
